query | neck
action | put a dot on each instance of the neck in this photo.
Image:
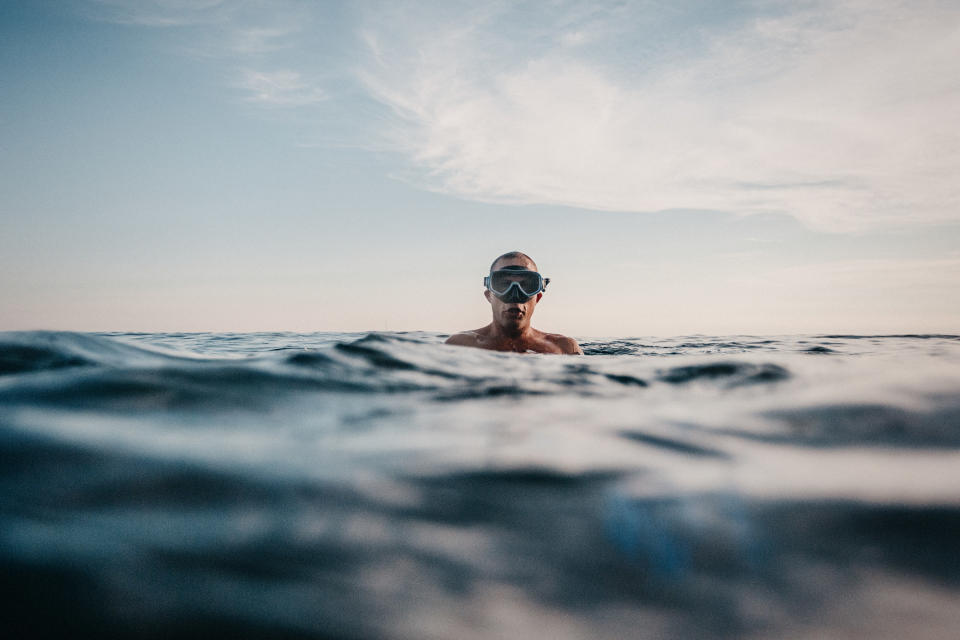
(512, 333)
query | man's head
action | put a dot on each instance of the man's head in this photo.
(510, 275)
(517, 258)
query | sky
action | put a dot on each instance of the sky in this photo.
(674, 167)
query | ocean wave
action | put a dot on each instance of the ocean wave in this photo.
(391, 486)
(103, 370)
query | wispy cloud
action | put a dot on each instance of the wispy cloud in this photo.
(162, 13)
(283, 88)
(246, 35)
(841, 114)
(258, 40)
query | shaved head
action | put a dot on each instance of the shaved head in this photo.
(515, 256)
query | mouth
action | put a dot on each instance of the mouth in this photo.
(514, 312)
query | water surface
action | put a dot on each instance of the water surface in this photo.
(336, 485)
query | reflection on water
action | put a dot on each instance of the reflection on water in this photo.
(364, 486)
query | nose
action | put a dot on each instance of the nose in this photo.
(514, 294)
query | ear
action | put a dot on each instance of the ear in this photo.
(539, 295)
(486, 294)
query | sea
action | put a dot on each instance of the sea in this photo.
(385, 485)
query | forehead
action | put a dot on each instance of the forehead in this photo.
(515, 262)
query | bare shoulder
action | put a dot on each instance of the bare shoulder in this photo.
(564, 343)
(465, 339)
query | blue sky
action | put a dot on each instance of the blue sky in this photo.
(685, 167)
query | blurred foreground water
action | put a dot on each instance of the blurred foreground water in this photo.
(338, 485)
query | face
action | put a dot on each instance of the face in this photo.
(512, 317)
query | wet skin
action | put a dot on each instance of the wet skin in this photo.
(510, 329)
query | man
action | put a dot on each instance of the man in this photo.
(513, 289)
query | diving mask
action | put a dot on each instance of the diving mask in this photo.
(515, 283)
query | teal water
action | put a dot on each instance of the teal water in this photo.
(337, 485)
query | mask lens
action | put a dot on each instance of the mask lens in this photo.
(529, 281)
